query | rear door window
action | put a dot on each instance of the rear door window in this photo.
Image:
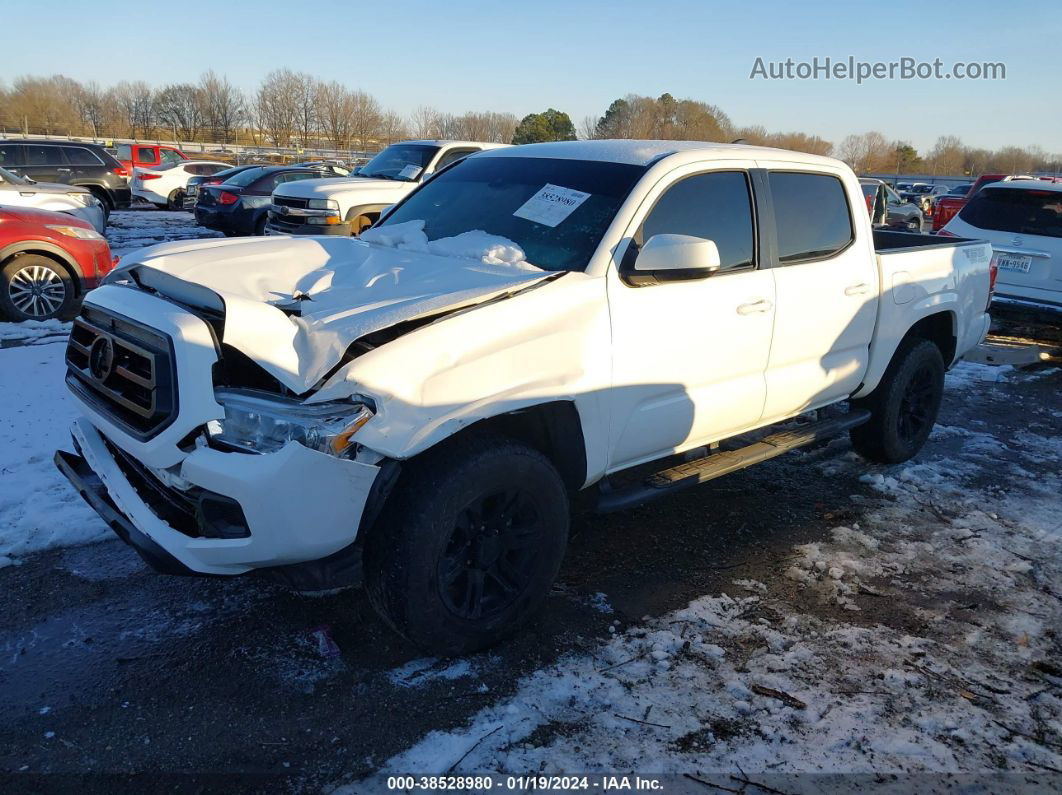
(1018, 210)
(80, 156)
(37, 155)
(812, 218)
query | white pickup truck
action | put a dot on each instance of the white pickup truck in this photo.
(418, 405)
(348, 205)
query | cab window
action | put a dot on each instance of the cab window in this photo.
(715, 206)
(812, 217)
(146, 155)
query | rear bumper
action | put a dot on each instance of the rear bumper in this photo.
(298, 505)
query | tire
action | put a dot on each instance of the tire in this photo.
(34, 287)
(104, 199)
(914, 224)
(173, 201)
(362, 222)
(904, 407)
(469, 544)
(159, 206)
(260, 226)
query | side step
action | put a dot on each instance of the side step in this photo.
(693, 473)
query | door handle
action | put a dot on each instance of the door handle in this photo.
(857, 289)
(755, 307)
(62, 169)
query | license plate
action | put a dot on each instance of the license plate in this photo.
(1014, 262)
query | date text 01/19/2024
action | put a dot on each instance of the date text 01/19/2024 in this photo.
(484, 783)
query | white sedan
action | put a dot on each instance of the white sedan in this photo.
(164, 186)
(16, 191)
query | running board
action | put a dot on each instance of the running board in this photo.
(693, 473)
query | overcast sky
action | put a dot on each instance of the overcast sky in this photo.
(578, 56)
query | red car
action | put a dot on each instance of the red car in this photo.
(47, 262)
(148, 155)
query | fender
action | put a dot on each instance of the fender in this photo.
(886, 344)
(44, 247)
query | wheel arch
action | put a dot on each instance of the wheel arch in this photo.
(939, 327)
(45, 249)
(553, 428)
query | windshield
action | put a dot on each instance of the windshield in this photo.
(1030, 212)
(14, 179)
(555, 210)
(403, 162)
(245, 178)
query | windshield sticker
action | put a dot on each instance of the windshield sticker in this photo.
(410, 172)
(551, 205)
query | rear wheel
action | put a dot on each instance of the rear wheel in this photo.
(914, 224)
(469, 545)
(260, 226)
(35, 287)
(104, 199)
(904, 407)
(174, 200)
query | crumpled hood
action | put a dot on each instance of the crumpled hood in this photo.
(341, 289)
(331, 186)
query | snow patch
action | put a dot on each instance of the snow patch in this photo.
(475, 245)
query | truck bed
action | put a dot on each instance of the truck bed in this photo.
(889, 241)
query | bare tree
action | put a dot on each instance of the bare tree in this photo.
(182, 108)
(305, 96)
(392, 128)
(424, 122)
(335, 110)
(134, 102)
(947, 155)
(366, 118)
(588, 128)
(225, 105)
(276, 106)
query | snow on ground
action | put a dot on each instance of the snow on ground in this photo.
(923, 639)
(38, 509)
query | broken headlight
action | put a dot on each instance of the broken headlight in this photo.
(264, 423)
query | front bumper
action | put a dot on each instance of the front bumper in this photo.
(299, 505)
(296, 225)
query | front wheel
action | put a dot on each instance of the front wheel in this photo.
(904, 406)
(33, 287)
(470, 544)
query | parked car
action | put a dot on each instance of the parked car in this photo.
(70, 163)
(926, 198)
(16, 191)
(164, 186)
(48, 260)
(325, 167)
(239, 205)
(887, 209)
(148, 155)
(348, 206)
(191, 188)
(1022, 219)
(424, 400)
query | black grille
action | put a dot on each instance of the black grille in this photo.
(125, 370)
(287, 201)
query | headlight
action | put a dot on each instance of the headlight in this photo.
(86, 199)
(265, 424)
(323, 204)
(76, 231)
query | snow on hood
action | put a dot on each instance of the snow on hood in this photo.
(343, 288)
(475, 244)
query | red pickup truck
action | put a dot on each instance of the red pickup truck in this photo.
(947, 207)
(148, 155)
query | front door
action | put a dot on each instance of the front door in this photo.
(688, 357)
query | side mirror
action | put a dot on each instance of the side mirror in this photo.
(672, 258)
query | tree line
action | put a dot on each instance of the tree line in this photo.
(295, 109)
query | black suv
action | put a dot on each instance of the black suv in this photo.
(70, 163)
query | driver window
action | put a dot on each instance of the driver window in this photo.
(715, 206)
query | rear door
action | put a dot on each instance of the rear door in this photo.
(826, 281)
(84, 164)
(688, 357)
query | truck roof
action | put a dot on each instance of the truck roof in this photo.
(643, 153)
(447, 142)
